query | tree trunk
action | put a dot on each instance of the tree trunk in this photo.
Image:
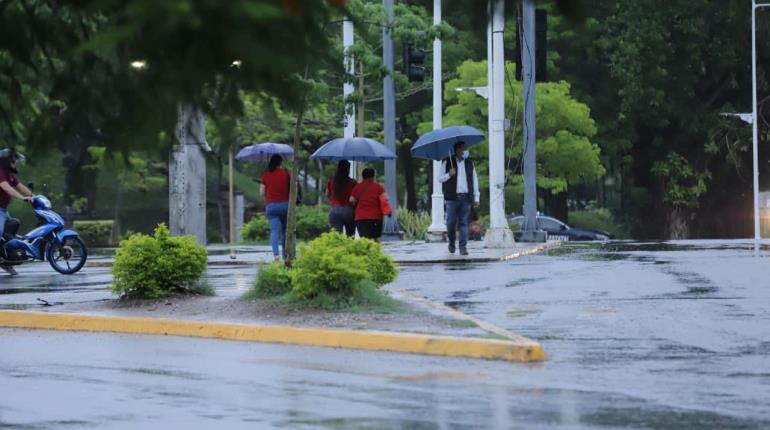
(291, 218)
(318, 191)
(222, 225)
(678, 225)
(556, 205)
(411, 193)
(304, 180)
(79, 182)
(116, 210)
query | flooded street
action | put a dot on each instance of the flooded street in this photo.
(638, 335)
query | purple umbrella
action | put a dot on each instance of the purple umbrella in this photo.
(261, 152)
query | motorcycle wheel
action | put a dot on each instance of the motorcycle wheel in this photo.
(68, 256)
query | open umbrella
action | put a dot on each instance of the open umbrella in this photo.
(355, 149)
(261, 152)
(439, 144)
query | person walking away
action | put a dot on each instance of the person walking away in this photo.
(10, 187)
(338, 189)
(366, 197)
(275, 189)
(461, 190)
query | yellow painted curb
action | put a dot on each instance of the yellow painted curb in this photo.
(525, 350)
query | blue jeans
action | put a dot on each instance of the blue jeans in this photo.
(276, 216)
(458, 212)
(343, 216)
(4, 217)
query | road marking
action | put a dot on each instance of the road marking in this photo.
(523, 349)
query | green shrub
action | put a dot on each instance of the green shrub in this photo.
(273, 280)
(597, 219)
(334, 264)
(382, 270)
(312, 222)
(158, 266)
(256, 229)
(414, 224)
(95, 233)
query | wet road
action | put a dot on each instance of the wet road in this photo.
(680, 330)
(37, 284)
(638, 336)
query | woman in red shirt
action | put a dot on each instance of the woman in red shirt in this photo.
(275, 188)
(366, 197)
(338, 189)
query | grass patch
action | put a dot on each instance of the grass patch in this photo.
(202, 289)
(495, 336)
(462, 324)
(366, 298)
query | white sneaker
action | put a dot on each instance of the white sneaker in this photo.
(8, 268)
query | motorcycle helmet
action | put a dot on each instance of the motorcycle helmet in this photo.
(9, 155)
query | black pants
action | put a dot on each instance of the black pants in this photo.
(369, 228)
(343, 217)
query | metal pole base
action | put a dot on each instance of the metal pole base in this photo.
(537, 236)
(436, 236)
(499, 238)
(392, 236)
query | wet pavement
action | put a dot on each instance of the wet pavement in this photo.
(681, 331)
(639, 335)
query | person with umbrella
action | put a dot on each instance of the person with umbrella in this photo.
(275, 189)
(369, 198)
(460, 184)
(338, 189)
(459, 179)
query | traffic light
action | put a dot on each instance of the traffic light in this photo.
(413, 57)
(541, 45)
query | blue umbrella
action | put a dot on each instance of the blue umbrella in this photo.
(355, 149)
(261, 153)
(439, 144)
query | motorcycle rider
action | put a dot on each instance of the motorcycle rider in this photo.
(10, 186)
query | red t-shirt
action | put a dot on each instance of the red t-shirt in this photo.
(6, 176)
(276, 186)
(344, 197)
(367, 195)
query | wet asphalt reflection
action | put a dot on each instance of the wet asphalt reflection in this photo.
(682, 330)
(639, 335)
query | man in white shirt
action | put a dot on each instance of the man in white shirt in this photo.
(461, 190)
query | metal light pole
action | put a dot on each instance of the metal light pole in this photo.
(498, 235)
(348, 35)
(754, 125)
(438, 224)
(390, 226)
(530, 231)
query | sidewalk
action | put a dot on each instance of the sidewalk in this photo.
(403, 252)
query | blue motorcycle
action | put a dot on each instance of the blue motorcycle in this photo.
(63, 249)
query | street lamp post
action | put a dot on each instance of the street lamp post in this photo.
(754, 125)
(437, 227)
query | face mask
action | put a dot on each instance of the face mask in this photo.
(466, 154)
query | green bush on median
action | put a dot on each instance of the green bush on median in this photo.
(158, 266)
(256, 229)
(332, 271)
(273, 280)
